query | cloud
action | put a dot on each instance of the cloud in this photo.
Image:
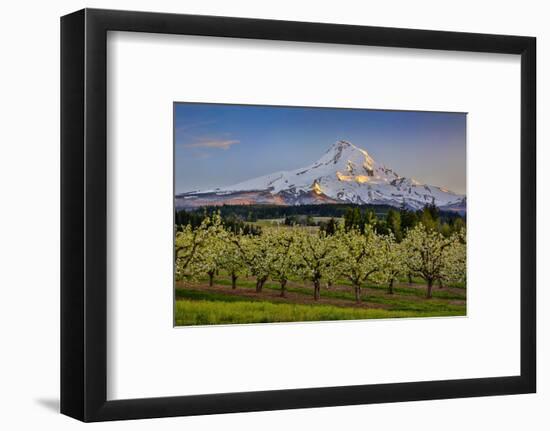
(223, 144)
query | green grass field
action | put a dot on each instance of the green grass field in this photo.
(198, 304)
(214, 312)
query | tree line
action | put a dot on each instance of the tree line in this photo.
(359, 253)
(397, 222)
(230, 222)
(256, 212)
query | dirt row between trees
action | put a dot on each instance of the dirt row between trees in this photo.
(453, 290)
(273, 295)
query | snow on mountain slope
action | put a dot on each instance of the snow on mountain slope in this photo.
(345, 173)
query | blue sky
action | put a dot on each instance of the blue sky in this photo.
(218, 145)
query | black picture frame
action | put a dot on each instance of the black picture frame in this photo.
(84, 214)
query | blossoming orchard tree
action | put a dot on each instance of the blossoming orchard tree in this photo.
(285, 255)
(426, 252)
(210, 254)
(359, 256)
(231, 259)
(318, 258)
(454, 267)
(391, 260)
(189, 242)
(255, 253)
(335, 273)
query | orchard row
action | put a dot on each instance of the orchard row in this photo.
(283, 254)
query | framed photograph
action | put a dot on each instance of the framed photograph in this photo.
(262, 215)
(335, 234)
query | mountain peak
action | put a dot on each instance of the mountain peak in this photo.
(341, 145)
(344, 173)
(346, 155)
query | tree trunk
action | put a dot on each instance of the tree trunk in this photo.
(440, 283)
(390, 287)
(260, 284)
(233, 280)
(429, 291)
(316, 290)
(283, 288)
(211, 278)
(410, 278)
(329, 284)
(357, 288)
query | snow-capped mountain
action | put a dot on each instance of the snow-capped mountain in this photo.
(345, 173)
